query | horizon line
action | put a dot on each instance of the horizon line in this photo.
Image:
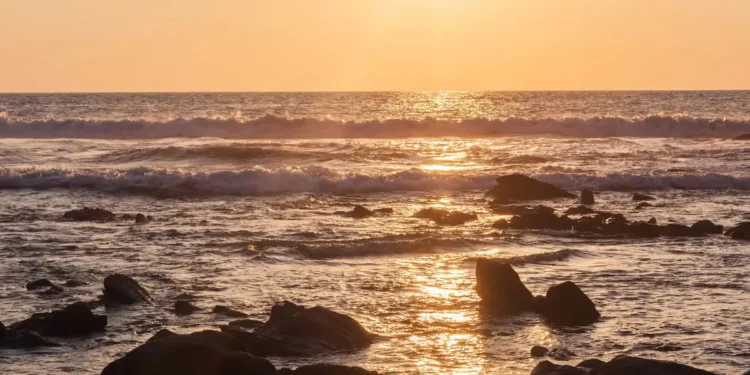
(361, 91)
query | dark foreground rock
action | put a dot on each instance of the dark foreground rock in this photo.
(621, 365)
(566, 304)
(502, 292)
(445, 217)
(74, 320)
(501, 289)
(517, 187)
(199, 353)
(326, 369)
(89, 214)
(122, 289)
(294, 330)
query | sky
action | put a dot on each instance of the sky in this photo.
(373, 45)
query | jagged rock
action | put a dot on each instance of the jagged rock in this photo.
(185, 308)
(89, 214)
(41, 283)
(517, 187)
(122, 289)
(326, 369)
(643, 205)
(566, 304)
(642, 197)
(228, 311)
(445, 217)
(199, 353)
(74, 320)
(246, 323)
(706, 227)
(294, 330)
(580, 210)
(501, 289)
(141, 219)
(538, 351)
(587, 197)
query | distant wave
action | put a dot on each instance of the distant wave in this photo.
(233, 152)
(548, 257)
(270, 126)
(263, 181)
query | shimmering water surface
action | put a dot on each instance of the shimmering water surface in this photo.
(249, 222)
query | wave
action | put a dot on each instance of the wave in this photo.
(234, 152)
(548, 257)
(270, 126)
(264, 181)
(382, 247)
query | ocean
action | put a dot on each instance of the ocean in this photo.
(244, 187)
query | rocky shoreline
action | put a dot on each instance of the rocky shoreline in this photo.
(243, 345)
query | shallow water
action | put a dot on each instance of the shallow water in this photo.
(247, 223)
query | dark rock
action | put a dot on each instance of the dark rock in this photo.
(741, 235)
(706, 227)
(642, 197)
(679, 230)
(294, 330)
(652, 220)
(74, 320)
(89, 214)
(587, 197)
(228, 311)
(326, 369)
(517, 187)
(19, 339)
(162, 333)
(74, 283)
(501, 289)
(141, 219)
(549, 368)
(538, 351)
(41, 283)
(566, 304)
(560, 354)
(580, 210)
(538, 303)
(501, 224)
(626, 365)
(445, 217)
(502, 209)
(590, 363)
(121, 289)
(642, 229)
(742, 137)
(185, 308)
(360, 212)
(199, 353)
(51, 291)
(741, 227)
(127, 217)
(643, 205)
(542, 219)
(384, 211)
(246, 323)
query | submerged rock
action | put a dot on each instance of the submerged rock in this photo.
(538, 351)
(294, 330)
(361, 212)
(501, 289)
(74, 320)
(445, 217)
(122, 289)
(185, 308)
(566, 304)
(326, 369)
(642, 197)
(199, 353)
(517, 187)
(89, 214)
(228, 311)
(587, 197)
(41, 283)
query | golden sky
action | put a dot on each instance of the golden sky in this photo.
(361, 45)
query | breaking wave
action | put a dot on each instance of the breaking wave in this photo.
(264, 181)
(270, 126)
